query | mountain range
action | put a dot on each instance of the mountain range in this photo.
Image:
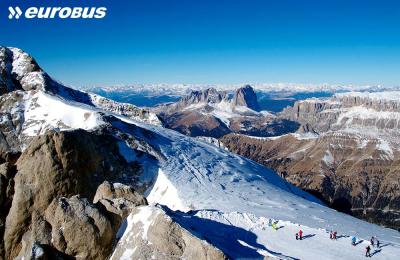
(216, 113)
(85, 177)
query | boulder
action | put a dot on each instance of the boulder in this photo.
(80, 229)
(118, 198)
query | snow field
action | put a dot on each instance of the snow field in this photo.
(44, 112)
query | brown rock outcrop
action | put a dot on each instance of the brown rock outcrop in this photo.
(118, 198)
(59, 165)
(80, 229)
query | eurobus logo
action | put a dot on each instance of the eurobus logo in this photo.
(15, 12)
(57, 12)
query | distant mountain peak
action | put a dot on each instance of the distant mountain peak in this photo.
(245, 96)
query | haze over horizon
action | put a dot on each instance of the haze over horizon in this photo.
(211, 42)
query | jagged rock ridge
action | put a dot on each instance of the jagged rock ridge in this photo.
(215, 113)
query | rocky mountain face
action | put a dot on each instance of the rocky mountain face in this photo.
(355, 110)
(345, 152)
(216, 113)
(210, 95)
(246, 97)
(71, 172)
(54, 168)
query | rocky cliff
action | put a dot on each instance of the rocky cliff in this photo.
(378, 110)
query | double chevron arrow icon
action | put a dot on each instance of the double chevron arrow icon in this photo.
(15, 12)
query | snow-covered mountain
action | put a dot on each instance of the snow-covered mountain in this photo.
(214, 204)
(28, 108)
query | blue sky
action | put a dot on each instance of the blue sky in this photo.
(148, 41)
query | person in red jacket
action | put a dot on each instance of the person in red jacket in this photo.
(301, 234)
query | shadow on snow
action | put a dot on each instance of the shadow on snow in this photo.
(235, 242)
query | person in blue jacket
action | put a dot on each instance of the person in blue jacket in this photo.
(353, 240)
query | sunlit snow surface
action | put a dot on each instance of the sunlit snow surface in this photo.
(44, 112)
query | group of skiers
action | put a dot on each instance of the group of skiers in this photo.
(299, 235)
(273, 224)
(374, 241)
(333, 236)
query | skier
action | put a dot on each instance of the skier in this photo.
(274, 226)
(263, 225)
(334, 235)
(331, 235)
(368, 251)
(297, 236)
(378, 243)
(353, 241)
(301, 234)
(270, 222)
(372, 241)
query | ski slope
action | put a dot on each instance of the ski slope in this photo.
(213, 184)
